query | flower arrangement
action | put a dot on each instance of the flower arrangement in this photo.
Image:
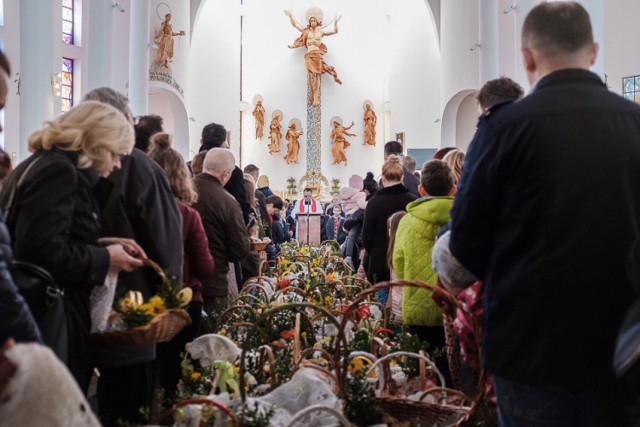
(131, 311)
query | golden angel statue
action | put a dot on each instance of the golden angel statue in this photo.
(339, 143)
(258, 113)
(164, 40)
(293, 146)
(275, 134)
(370, 120)
(311, 38)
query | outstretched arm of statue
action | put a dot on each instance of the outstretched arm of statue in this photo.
(335, 27)
(349, 126)
(293, 20)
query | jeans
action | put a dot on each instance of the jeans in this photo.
(524, 405)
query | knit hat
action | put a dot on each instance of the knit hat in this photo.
(263, 181)
(356, 182)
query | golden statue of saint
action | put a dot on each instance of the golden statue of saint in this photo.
(311, 38)
(370, 120)
(164, 40)
(293, 146)
(339, 143)
(258, 113)
(275, 134)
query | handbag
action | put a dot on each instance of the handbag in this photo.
(46, 303)
(43, 296)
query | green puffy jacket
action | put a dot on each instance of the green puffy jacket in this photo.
(415, 239)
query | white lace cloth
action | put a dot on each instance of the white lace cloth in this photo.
(101, 301)
(42, 392)
(211, 347)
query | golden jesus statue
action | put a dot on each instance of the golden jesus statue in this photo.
(164, 40)
(293, 146)
(311, 38)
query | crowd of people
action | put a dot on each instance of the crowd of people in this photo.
(540, 216)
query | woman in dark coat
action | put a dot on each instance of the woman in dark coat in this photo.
(387, 201)
(197, 262)
(54, 220)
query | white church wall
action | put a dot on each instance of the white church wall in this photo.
(120, 48)
(214, 70)
(414, 75)
(10, 35)
(621, 40)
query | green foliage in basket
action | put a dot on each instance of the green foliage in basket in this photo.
(362, 340)
(406, 341)
(196, 380)
(360, 397)
(255, 417)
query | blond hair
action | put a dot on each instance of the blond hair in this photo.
(454, 159)
(174, 167)
(93, 129)
(392, 169)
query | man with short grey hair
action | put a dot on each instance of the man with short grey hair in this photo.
(546, 212)
(223, 223)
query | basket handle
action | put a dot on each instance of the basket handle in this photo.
(155, 267)
(409, 354)
(343, 421)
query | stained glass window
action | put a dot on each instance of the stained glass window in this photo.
(631, 88)
(67, 21)
(66, 86)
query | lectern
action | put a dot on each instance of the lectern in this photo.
(309, 228)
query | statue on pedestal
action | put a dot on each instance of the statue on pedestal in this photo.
(293, 146)
(275, 132)
(258, 113)
(370, 120)
(339, 143)
(311, 38)
(164, 40)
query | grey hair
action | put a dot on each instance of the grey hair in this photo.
(218, 160)
(109, 96)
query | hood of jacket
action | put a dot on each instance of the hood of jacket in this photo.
(352, 200)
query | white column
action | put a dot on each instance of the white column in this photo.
(139, 57)
(36, 66)
(100, 28)
(489, 50)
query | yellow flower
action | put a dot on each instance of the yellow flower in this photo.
(195, 376)
(157, 304)
(222, 332)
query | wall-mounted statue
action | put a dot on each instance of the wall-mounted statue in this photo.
(338, 141)
(311, 38)
(164, 40)
(293, 145)
(370, 120)
(258, 113)
(275, 132)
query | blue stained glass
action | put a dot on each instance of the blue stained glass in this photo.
(67, 65)
(66, 38)
(628, 84)
(628, 95)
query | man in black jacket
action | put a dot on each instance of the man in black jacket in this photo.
(215, 136)
(546, 211)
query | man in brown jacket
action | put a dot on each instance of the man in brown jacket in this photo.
(223, 222)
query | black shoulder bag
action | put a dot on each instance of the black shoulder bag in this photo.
(43, 296)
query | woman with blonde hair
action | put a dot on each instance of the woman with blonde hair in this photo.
(387, 201)
(53, 216)
(455, 159)
(197, 262)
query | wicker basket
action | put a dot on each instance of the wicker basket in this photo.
(259, 246)
(161, 328)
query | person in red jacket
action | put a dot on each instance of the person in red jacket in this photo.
(198, 262)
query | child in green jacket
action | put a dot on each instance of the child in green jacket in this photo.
(415, 239)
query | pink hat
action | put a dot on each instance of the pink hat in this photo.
(356, 182)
